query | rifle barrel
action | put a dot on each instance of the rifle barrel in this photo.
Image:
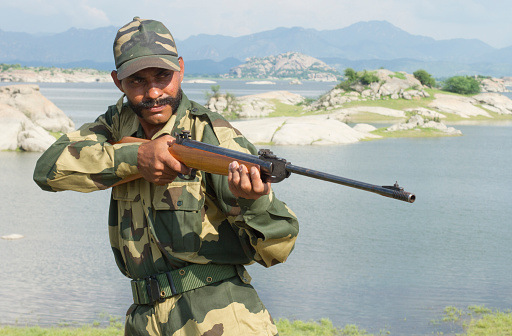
(273, 167)
(391, 191)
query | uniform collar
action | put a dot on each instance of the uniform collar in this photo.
(173, 122)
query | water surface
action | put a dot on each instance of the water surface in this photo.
(360, 258)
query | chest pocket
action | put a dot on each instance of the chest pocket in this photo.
(179, 210)
(184, 196)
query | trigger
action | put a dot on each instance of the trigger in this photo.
(190, 176)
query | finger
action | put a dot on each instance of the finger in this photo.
(174, 165)
(245, 180)
(234, 173)
(258, 185)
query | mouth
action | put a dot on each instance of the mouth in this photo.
(156, 108)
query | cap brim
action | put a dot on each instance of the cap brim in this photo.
(161, 61)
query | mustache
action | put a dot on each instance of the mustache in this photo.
(148, 103)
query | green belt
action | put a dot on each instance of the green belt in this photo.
(164, 285)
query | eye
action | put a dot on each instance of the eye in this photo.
(166, 74)
(135, 80)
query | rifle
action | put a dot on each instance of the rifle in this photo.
(214, 159)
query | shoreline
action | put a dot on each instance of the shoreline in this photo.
(285, 118)
(467, 321)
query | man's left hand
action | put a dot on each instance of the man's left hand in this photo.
(246, 184)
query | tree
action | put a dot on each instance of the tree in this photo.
(350, 75)
(366, 78)
(424, 77)
(462, 85)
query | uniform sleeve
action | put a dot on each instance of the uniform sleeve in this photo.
(267, 227)
(85, 161)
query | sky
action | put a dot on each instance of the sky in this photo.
(487, 20)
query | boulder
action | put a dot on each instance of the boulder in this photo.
(310, 130)
(493, 85)
(459, 105)
(417, 122)
(27, 117)
(495, 102)
(252, 106)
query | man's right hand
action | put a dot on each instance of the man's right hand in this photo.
(156, 164)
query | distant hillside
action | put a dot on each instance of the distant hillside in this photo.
(364, 45)
(289, 65)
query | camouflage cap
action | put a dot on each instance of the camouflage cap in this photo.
(144, 44)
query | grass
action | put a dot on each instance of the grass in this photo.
(403, 104)
(286, 110)
(322, 328)
(397, 104)
(61, 331)
(474, 321)
(478, 321)
(412, 133)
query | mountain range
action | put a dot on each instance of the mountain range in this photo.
(364, 45)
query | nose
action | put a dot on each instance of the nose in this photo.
(153, 91)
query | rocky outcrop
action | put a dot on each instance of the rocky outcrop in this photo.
(493, 85)
(54, 75)
(391, 85)
(418, 122)
(252, 106)
(289, 65)
(494, 102)
(310, 130)
(27, 117)
(467, 107)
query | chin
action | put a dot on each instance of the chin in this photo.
(157, 118)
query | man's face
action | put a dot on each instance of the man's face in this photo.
(153, 93)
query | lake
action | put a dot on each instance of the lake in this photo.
(360, 258)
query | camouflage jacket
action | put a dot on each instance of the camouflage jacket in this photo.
(152, 228)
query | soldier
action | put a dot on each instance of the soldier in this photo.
(182, 242)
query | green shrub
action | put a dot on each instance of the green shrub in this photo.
(425, 78)
(462, 85)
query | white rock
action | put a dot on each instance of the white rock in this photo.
(462, 106)
(501, 103)
(376, 109)
(13, 236)
(311, 130)
(27, 117)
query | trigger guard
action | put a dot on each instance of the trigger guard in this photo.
(188, 177)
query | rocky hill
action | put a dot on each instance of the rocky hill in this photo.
(17, 73)
(288, 65)
(363, 45)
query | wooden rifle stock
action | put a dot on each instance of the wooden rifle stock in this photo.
(195, 158)
(215, 159)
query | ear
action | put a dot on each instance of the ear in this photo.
(116, 81)
(182, 68)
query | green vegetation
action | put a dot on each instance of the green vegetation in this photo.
(59, 331)
(353, 78)
(286, 110)
(474, 321)
(7, 67)
(14, 67)
(425, 78)
(412, 133)
(478, 321)
(462, 85)
(397, 104)
(322, 328)
(232, 108)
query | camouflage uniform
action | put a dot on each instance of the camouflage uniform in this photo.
(155, 229)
